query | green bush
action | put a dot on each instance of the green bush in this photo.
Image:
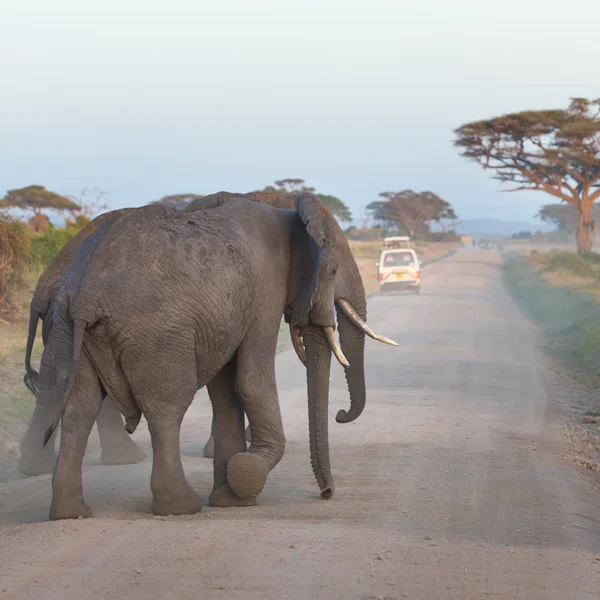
(14, 258)
(591, 257)
(45, 246)
(572, 263)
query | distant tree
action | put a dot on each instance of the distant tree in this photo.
(90, 204)
(335, 206)
(37, 199)
(332, 203)
(554, 151)
(177, 201)
(563, 216)
(39, 223)
(410, 212)
(293, 185)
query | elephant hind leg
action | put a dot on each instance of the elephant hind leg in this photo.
(77, 421)
(172, 494)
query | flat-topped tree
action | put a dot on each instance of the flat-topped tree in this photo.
(177, 201)
(563, 216)
(409, 211)
(294, 185)
(554, 151)
(37, 199)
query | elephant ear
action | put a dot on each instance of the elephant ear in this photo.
(313, 268)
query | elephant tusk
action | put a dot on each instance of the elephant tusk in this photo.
(329, 335)
(353, 316)
(297, 343)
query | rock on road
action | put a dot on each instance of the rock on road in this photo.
(450, 485)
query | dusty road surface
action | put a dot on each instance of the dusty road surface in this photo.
(451, 485)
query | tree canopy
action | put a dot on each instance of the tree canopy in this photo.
(410, 211)
(563, 216)
(554, 151)
(177, 201)
(37, 198)
(336, 206)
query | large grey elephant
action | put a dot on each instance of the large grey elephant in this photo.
(117, 446)
(163, 303)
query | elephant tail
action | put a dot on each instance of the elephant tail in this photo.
(76, 338)
(31, 378)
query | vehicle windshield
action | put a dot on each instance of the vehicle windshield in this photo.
(398, 259)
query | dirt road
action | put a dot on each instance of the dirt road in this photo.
(451, 484)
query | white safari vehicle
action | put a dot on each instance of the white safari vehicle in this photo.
(399, 266)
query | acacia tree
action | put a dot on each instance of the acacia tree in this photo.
(37, 199)
(563, 216)
(177, 201)
(90, 204)
(410, 210)
(554, 151)
(293, 185)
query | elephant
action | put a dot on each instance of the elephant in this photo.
(163, 302)
(117, 446)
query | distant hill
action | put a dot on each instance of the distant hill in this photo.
(498, 227)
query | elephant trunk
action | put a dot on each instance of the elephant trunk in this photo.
(318, 364)
(352, 341)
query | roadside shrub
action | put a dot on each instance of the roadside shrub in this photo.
(45, 246)
(591, 257)
(572, 263)
(14, 258)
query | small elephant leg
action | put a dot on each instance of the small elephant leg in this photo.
(78, 419)
(247, 471)
(228, 424)
(209, 447)
(36, 459)
(117, 447)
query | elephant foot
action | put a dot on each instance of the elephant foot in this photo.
(209, 448)
(224, 498)
(126, 453)
(40, 464)
(187, 503)
(69, 508)
(247, 473)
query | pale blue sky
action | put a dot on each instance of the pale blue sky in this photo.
(143, 98)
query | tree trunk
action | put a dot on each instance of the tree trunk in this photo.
(585, 226)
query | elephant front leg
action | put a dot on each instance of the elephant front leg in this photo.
(247, 471)
(78, 418)
(227, 434)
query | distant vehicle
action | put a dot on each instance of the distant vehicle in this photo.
(485, 244)
(397, 241)
(399, 268)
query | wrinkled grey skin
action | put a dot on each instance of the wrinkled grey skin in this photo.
(345, 286)
(163, 303)
(117, 446)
